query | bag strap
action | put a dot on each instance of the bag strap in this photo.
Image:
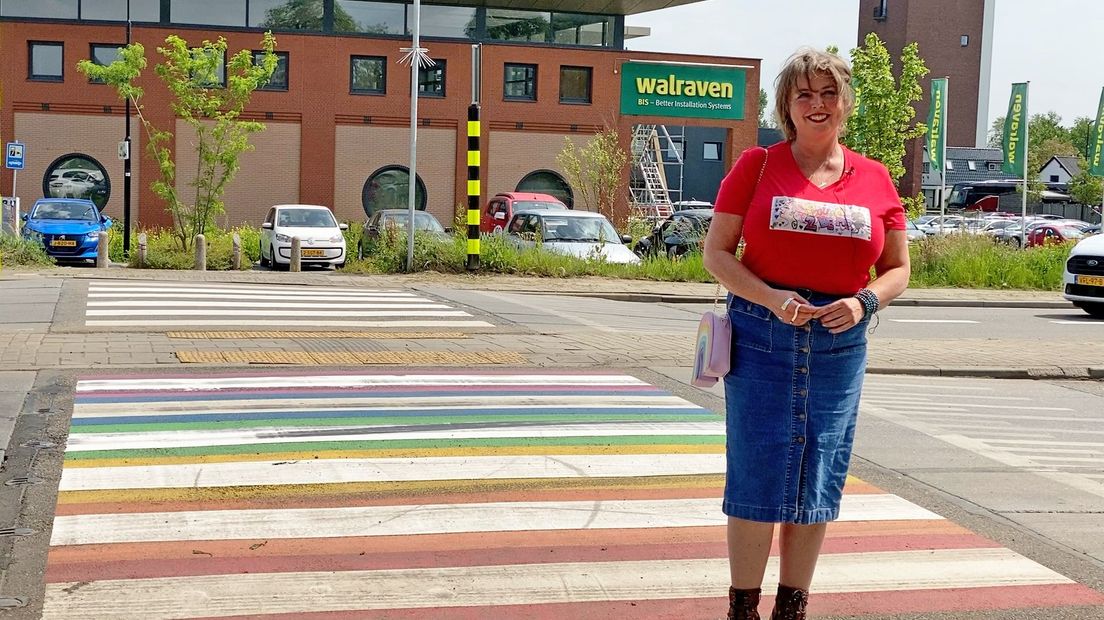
(762, 169)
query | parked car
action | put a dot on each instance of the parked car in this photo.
(1053, 233)
(322, 238)
(913, 232)
(397, 219)
(679, 234)
(685, 205)
(76, 183)
(501, 208)
(575, 233)
(68, 228)
(1083, 277)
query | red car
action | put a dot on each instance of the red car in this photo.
(500, 209)
(1053, 233)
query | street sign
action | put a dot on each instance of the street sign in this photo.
(124, 150)
(14, 158)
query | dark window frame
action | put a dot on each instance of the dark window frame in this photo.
(31, 75)
(286, 56)
(353, 90)
(92, 56)
(720, 150)
(441, 65)
(530, 80)
(589, 100)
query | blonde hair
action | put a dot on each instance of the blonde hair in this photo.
(807, 63)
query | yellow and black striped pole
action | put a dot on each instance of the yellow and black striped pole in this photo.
(473, 187)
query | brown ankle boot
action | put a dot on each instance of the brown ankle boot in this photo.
(790, 603)
(743, 604)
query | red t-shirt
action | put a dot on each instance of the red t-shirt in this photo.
(799, 235)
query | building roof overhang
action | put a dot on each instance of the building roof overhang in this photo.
(608, 7)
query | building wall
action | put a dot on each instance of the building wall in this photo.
(50, 136)
(268, 175)
(518, 153)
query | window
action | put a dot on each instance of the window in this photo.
(950, 165)
(675, 151)
(712, 151)
(214, 74)
(581, 29)
(548, 182)
(971, 165)
(575, 84)
(369, 17)
(1053, 178)
(368, 75)
(965, 40)
(116, 10)
(61, 9)
(520, 82)
(47, 61)
(286, 14)
(431, 80)
(208, 12)
(389, 188)
(77, 176)
(103, 54)
(444, 21)
(514, 25)
(993, 166)
(279, 79)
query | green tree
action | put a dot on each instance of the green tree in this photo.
(996, 134)
(765, 119)
(1085, 188)
(195, 78)
(1081, 135)
(886, 121)
(595, 170)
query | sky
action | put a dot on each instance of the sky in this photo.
(1054, 44)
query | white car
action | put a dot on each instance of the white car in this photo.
(322, 239)
(1083, 280)
(575, 233)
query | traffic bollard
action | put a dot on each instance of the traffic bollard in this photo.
(236, 255)
(296, 254)
(101, 251)
(200, 253)
(143, 249)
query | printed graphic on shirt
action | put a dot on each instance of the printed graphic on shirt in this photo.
(820, 218)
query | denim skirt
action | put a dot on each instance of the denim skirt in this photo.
(792, 400)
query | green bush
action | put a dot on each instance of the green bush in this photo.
(16, 250)
(969, 261)
(163, 250)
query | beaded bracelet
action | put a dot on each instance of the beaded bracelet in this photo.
(869, 300)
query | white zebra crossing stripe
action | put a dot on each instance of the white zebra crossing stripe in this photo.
(284, 324)
(201, 383)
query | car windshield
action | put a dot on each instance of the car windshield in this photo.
(64, 211)
(581, 229)
(306, 218)
(1071, 232)
(521, 205)
(422, 221)
(909, 224)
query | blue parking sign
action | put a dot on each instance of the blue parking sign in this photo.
(13, 159)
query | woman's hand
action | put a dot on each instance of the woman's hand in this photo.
(840, 315)
(791, 308)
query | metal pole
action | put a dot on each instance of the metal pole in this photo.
(474, 161)
(943, 157)
(415, 66)
(1027, 151)
(126, 161)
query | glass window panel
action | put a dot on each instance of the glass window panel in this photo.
(279, 79)
(116, 10)
(712, 151)
(61, 9)
(431, 80)
(286, 14)
(369, 74)
(77, 176)
(212, 12)
(444, 21)
(104, 55)
(582, 29)
(575, 84)
(369, 17)
(520, 82)
(216, 78)
(389, 188)
(47, 61)
(511, 25)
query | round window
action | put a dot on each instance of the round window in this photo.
(77, 176)
(389, 188)
(548, 182)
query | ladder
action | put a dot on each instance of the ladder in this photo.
(650, 198)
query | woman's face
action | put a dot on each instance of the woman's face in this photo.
(816, 108)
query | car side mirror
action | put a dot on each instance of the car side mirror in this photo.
(267, 225)
(626, 239)
(343, 226)
(25, 216)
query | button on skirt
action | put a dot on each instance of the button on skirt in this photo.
(792, 400)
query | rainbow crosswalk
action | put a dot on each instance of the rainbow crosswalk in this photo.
(453, 494)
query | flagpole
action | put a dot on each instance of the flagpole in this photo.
(1027, 150)
(943, 156)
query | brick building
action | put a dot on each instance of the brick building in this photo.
(955, 39)
(337, 111)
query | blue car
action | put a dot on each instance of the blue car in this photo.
(68, 228)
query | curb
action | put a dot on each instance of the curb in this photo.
(1043, 372)
(911, 302)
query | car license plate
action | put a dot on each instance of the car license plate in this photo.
(63, 243)
(308, 253)
(1090, 280)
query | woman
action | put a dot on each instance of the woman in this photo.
(814, 217)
